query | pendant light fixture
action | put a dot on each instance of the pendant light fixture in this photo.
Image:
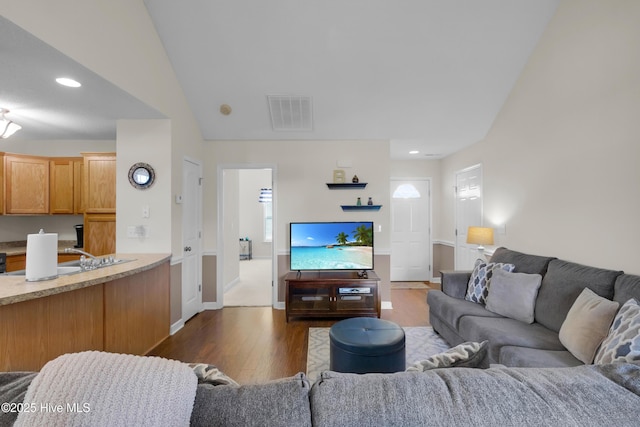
(7, 127)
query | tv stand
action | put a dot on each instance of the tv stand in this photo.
(332, 294)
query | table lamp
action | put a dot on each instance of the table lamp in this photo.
(480, 236)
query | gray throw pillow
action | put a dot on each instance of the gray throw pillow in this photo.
(587, 324)
(465, 355)
(514, 295)
(622, 343)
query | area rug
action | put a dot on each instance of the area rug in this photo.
(421, 342)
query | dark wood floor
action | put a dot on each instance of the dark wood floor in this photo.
(256, 344)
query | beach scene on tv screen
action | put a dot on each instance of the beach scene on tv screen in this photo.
(332, 246)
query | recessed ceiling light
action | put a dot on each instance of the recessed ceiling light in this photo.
(65, 81)
(413, 152)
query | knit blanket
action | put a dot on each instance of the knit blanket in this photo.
(104, 389)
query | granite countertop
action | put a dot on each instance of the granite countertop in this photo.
(20, 247)
(14, 289)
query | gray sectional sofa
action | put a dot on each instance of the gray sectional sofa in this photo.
(535, 382)
(512, 342)
(587, 395)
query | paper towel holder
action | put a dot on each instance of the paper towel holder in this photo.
(141, 176)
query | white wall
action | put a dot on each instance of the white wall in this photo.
(561, 160)
(147, 141)
(231, 234)
(303, 169)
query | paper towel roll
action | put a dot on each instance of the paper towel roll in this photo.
(42, 256)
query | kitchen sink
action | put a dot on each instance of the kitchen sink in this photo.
(74, 267)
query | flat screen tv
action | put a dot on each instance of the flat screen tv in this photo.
(331, 246)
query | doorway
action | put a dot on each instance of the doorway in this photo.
(411, 230)
(246, 238)
(468, 213)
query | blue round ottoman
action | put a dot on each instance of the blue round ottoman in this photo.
(364, 344)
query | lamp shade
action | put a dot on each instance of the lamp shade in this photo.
(480, 236)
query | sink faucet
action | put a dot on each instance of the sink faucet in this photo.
(78, 251)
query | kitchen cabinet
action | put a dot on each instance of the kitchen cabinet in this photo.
(99, 198)
(99, 187)
(61, 186)
(16, 262)
(26, 184)
(32, 185)
(78, 181)
(100, 233)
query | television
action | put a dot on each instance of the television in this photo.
(331, 245)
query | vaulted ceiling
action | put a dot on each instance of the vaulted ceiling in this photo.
(429, 75)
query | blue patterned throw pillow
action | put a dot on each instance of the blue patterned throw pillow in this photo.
(480, 281)
(622, 343)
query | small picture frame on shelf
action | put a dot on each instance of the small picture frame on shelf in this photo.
(338, 176)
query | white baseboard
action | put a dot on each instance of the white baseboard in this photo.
(386, 305)
(279, 305)
(435, 280)
(211, 306)
(176, 327)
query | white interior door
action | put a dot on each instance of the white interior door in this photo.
(468, 213)
(191, 238)
(410, 230)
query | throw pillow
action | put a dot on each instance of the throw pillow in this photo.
(209, 374)
(586, 324)
(465, 355)
(514, 294)
(622, 344)
(480, 281)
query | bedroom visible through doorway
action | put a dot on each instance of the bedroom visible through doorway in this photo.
(248, 241)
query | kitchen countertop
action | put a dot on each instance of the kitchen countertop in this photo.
(20, 248)
(14, 289)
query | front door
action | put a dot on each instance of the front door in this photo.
(191, 235)
(410, 230)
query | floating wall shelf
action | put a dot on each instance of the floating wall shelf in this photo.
(345, 185)
(361, 208)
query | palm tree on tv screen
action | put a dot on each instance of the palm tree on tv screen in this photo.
(342, 238)
(364, 235)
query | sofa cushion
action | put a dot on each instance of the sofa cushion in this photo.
(514, 294)
(622, 343)
(452, 309)
(465, 355)
(578, 396)
(561, 286)
(480, 280)
(536, 358)
(504, 331)
(283, 402)
(587, 324)
(627, 286)
(525, 263)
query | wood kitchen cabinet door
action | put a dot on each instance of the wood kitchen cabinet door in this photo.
(99, 187)
(100, 234)
(26, 184)
(61, 186)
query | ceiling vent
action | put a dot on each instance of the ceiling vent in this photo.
(291, 113)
